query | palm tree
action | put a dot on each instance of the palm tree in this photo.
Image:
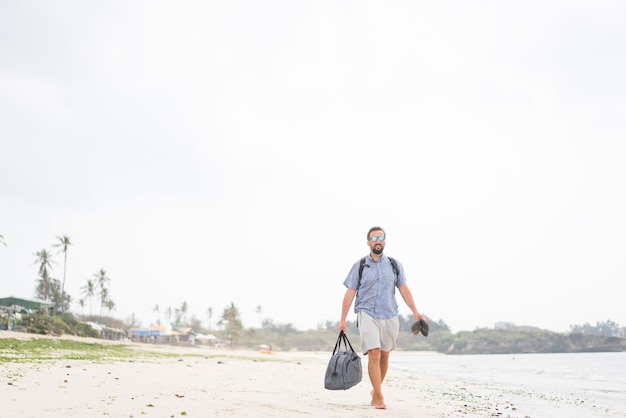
(232, 322)
(81, 303)
(44, 286)
(184, 308)
(89, 290)
(102, 280)
(60, 301)
(104, 299)
(209, 314)
(177, 317)
(110, 305)
(63, 243)
(157, 310)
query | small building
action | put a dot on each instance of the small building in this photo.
(11, 309)
(29, 305)
(143, 334)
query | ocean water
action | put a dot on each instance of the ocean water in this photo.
(551, 385)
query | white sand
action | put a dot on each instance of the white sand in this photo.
(223, 383)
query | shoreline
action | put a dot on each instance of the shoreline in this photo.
(201, 381)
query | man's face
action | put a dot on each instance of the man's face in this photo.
(375, 243)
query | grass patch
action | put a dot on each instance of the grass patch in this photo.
(42, 349)
(49, 349)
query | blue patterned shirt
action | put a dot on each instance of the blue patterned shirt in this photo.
(377, 294)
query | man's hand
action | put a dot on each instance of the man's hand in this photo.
(341, 326)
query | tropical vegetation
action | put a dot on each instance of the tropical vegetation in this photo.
(231, 332)
(279, 337)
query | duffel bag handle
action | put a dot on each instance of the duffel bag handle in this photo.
(342, 337)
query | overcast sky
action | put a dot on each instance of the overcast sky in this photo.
(215, 152)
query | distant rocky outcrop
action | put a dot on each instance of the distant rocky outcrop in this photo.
(490, 341)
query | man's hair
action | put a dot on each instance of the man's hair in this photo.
(375, 228)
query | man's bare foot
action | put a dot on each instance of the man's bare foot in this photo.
(377, 402)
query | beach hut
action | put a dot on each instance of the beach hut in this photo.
(12, 307)
(28, 305)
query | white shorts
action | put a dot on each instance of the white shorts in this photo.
(377, 333)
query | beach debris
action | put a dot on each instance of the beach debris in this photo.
(179, 396)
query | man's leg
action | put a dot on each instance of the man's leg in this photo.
(384, 365)
(374, 370)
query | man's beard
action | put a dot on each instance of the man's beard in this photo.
(377, 251)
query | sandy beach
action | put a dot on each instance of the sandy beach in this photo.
(205, 382)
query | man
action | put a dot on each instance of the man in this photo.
(376, 308)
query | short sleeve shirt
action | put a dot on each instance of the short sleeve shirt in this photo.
(376, 295)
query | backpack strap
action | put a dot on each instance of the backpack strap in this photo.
(395, 269)
(361, 265)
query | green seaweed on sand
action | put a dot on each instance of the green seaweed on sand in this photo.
(49, 349)
(43, 349)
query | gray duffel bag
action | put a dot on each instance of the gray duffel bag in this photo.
(344, 368)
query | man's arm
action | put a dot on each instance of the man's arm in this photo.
(345, 307)
(408, 299)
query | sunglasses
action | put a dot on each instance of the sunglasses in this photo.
(374, 239)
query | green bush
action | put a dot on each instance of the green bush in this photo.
(57, 325)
